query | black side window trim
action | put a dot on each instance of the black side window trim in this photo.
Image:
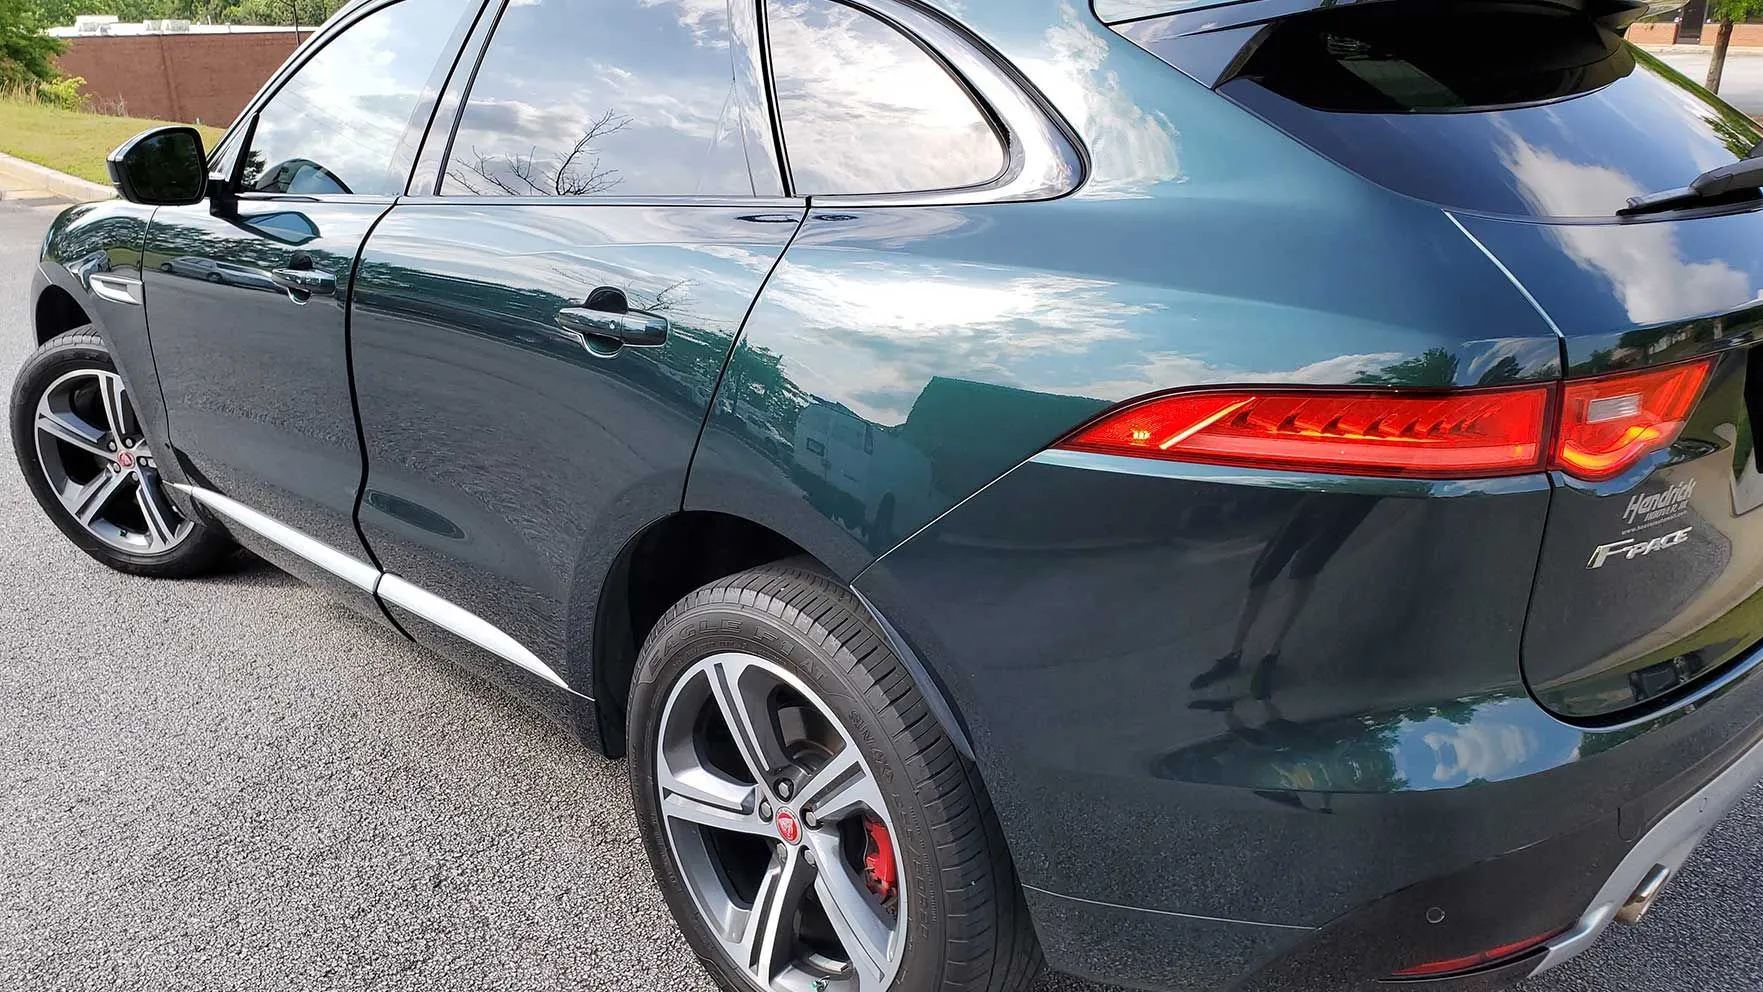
(456, 98)
(226, 150)
(1044, 158)
(437, 143)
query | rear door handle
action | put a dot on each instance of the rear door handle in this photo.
(311, 281)
(602, 331)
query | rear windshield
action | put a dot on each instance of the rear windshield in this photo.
(1500, 108)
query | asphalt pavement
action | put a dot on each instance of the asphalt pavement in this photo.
(233, 783)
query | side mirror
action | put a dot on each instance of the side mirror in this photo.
(164, 166)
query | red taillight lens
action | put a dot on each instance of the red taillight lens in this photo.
(1493, 955)
(1468, 434)
(1610, 422)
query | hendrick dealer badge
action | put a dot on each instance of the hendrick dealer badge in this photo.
(1643, 512)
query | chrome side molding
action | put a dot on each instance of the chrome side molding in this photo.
(464, 624)
(352, 570)
(391, 588)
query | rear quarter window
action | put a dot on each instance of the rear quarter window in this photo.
(866, 109)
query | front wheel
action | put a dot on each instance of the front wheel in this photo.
(809, 822)
(85, 458)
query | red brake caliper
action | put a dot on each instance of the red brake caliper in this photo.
(880, 871)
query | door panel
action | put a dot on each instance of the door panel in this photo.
(509, 450)
(256, 378)
(247, 294)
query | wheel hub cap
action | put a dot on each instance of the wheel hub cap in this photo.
(787, 828)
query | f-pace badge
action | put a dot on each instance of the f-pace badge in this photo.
(1628, 549)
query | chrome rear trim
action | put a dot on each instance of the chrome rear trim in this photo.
(352, 570)
(1664, 847)
(465, 624)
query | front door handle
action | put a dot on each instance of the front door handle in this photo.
(603, 332)
(309, 281)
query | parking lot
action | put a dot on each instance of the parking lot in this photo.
(234, 784)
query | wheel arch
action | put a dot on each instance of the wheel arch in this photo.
(677, 554)
(56, 312)
(655, 569)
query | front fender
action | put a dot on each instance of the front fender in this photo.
(103, 239)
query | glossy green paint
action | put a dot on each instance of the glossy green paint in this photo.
(901, 358)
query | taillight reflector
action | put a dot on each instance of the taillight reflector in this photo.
(1491, 956)
(1603, 426)
(1610, 422)
(1468, 434)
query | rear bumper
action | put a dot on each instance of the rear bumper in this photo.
(1188, 812)
(1658, 856)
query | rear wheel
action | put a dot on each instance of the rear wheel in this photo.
(810, 824)
(85, 458)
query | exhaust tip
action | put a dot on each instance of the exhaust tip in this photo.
(1644, 895)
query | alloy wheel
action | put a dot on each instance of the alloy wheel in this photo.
(779, 829)
(90, 448)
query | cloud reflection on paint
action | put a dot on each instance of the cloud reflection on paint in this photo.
(1072, 66)
(1644, 263)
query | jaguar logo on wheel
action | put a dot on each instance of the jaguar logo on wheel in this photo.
(787, 827)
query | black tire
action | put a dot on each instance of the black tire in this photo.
(201, 552)
(968, 927)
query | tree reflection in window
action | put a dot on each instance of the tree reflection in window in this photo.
(643, 102)
(575, 172)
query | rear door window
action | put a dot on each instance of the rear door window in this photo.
(1557, 117)
(588, 98)
(866, 109)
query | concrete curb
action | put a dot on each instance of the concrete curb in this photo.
(60, 183)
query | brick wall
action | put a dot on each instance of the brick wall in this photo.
(204, 78)
(1665, 33)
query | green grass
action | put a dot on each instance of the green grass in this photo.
(68, 141)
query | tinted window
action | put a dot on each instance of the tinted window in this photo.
(1560, 118)
(866, 110)
(589, 97)
(335, 125)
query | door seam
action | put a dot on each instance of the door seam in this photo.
(735, 346)
(355, 412)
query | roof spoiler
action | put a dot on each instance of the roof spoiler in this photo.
(1210, 39)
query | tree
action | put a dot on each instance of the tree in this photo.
(1726, 12)
(26, 53)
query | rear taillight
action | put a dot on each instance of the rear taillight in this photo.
(1604, 425)
(1469, 434)
(1610, 422)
